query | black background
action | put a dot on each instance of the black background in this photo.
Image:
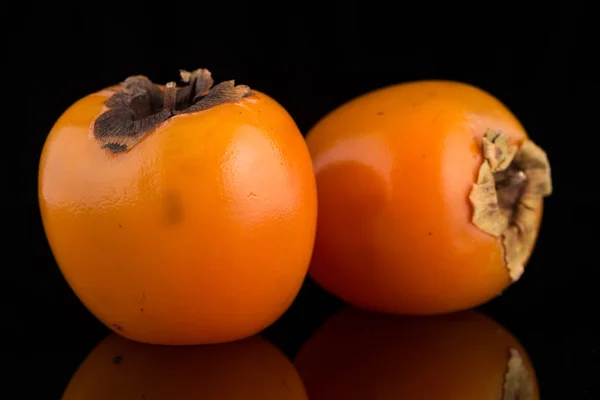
(312, 58)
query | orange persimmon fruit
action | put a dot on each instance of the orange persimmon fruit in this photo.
(251, 368)
(180, 215)
(430, 196)
(360, 355)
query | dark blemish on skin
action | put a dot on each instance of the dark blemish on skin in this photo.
(380, 113)
(117, 327)
(120, 226)
(143, 396)
(424, 156)
(251, 195)
(173, 208)
(240, 113)
(117, 359)
(141, 309)
(429, 233)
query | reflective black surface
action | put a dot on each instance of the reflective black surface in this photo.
(468, 347)
(312, 60)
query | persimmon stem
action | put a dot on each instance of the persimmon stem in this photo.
(141, 106)
(509, 186)
(508, 194)
(170, 96)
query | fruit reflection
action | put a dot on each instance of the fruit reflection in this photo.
(463, 356)
(249, 369)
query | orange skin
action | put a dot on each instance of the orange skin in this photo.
(394, 171)
(363, 355)
(248, 369)
(201, 233)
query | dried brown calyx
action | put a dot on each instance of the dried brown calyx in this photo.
(518, 384)
(140, 106)
(508, 194)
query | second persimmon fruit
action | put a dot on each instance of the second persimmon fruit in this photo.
(430, 198)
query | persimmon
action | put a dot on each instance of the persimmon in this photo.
(179, 215)
(252, 368)
(430, 198)
(359, 354)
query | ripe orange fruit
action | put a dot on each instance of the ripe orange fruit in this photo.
(430, 198)
(463, 356)
(180, 215)
(251, 368)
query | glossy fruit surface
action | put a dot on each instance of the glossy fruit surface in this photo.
(200, 233)
(395, 169)
(122, 369)
(463, 356)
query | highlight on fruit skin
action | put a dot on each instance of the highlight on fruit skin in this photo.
(358, 354)
(179, 215)
(430, 198)
(118, 368)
